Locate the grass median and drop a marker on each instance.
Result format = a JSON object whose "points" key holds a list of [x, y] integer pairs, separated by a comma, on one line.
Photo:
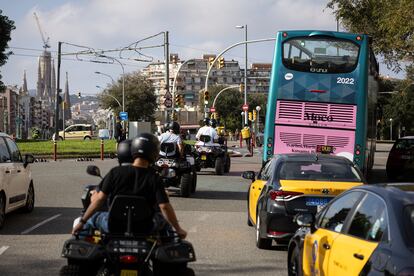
{"points": [[67, 148], [71, 148]]}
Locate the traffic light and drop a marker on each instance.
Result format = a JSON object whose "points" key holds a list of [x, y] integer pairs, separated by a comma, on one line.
{"points": [[250, 116], [254, 115], [221, 63], [174, 59], [210, 61], [241, 87], [79, 95], [177, 100], [206, 96], [182, 101]]}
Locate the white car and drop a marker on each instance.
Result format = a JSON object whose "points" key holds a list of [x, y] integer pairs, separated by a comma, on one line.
{"points": [[16, 183]]}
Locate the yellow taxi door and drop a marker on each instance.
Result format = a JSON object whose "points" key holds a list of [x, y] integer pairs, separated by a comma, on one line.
{"points": [[353, 248], [255, 190], [349, 255], [316, 251]]}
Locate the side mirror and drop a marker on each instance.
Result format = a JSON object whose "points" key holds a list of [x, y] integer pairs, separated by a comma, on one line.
{"points": [[305, 220], [28, 158], [93, 170], [249, 175]]}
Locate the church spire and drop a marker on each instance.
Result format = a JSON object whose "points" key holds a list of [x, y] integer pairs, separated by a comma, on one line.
{"points": [[68, 114]]}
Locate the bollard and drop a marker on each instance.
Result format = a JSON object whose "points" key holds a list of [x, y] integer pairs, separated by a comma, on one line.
{"points": [[102, 149], [54, 150]]}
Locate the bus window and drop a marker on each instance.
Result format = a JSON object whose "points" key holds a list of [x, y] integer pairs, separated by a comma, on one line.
{"points": [[320, 55]]}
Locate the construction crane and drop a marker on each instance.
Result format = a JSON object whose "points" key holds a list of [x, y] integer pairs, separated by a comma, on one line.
{"points": [[45, 41]]}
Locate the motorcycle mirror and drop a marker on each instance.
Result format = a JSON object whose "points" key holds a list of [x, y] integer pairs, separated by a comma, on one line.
{"points": [[93, 170]]}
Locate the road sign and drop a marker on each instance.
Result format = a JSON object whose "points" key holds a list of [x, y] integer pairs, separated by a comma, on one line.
{"points": [[245, 107], [168, 103], [167, 95], [123, 115], [212, 109]]}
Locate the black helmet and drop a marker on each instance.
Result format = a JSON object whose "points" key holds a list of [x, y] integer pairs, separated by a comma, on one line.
{"points": [[175, 127], [124, 152], [206, 121], [145, 146], [213, 123]]}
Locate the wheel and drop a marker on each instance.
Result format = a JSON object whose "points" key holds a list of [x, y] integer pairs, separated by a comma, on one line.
{"points": [[194, 186], [30, 200], [2, 210], [228, 164], [260, 242], [186, 184], [294, 263], [60, 138], [219, 165], [87, 138], [70, 270]]}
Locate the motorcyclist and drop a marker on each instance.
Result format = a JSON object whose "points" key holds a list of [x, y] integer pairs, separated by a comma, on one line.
{"points": [[172, 135], [207, 130], [121, 180]]}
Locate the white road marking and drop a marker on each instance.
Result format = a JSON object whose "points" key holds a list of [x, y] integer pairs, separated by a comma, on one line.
{"points": [[39, 224], [3, 249]]}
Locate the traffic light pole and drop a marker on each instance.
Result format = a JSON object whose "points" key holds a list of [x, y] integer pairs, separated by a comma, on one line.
{"points": [[224, 51], [58, 91]]}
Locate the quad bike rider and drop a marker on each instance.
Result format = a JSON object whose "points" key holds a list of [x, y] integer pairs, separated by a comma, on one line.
{"points": [[135, 237], [176, 163], [211, 151]]}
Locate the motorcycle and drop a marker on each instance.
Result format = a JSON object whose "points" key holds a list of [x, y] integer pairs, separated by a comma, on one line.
{"points": [[137, 244], [212, 156], [177, 172]]}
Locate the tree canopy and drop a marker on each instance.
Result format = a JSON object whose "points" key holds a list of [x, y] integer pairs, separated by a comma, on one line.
{"points": [[140, 98], [6, 26], [389, 22]]}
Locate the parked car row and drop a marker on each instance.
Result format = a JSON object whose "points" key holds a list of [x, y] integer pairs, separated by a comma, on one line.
{"points": [[332, 221]]}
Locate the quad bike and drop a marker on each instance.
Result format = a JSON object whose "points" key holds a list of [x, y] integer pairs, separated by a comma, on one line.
{"points": [[212, 156], [175, 171], [138, 243]]}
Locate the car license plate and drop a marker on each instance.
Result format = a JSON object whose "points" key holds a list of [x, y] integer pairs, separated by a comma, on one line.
{"points": [[317, 201], [203, 157], [125, 272]]}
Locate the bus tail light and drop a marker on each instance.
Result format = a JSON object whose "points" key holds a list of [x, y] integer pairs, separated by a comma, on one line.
{"points": [[359, 38], [357, 149], [285, 34]]}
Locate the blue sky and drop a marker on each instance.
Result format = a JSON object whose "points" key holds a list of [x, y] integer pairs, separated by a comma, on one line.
{"points": [[195, 27]]}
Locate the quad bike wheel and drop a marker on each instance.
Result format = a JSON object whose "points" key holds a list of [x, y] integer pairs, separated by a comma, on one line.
{"points": [[186, 184], [219, 165]]}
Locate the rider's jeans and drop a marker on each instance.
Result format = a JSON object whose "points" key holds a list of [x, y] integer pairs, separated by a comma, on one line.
{"points": [[98, 221]]}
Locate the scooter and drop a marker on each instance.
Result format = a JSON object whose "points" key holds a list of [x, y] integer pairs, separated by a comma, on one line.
{"points": [[208, 156], [138, 242]]}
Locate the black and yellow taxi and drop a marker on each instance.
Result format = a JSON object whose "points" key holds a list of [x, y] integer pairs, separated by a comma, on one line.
{"points": [[292, 183], [368, 230]]}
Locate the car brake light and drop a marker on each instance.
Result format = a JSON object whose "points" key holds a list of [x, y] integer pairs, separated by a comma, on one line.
{"points": [[285, 194], [128, 259], [276, 233]]}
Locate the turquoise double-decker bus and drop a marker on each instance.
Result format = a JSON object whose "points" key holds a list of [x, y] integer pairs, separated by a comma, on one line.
{"points": [[322, 96]]}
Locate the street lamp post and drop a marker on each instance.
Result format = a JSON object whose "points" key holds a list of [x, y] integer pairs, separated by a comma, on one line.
{"points": [[123, 78], [109, 76], [245, 69], [390, 128], [258, 108]]}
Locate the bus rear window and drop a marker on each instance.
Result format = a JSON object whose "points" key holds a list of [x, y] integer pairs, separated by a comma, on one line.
{"points": [[320, 55]]}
